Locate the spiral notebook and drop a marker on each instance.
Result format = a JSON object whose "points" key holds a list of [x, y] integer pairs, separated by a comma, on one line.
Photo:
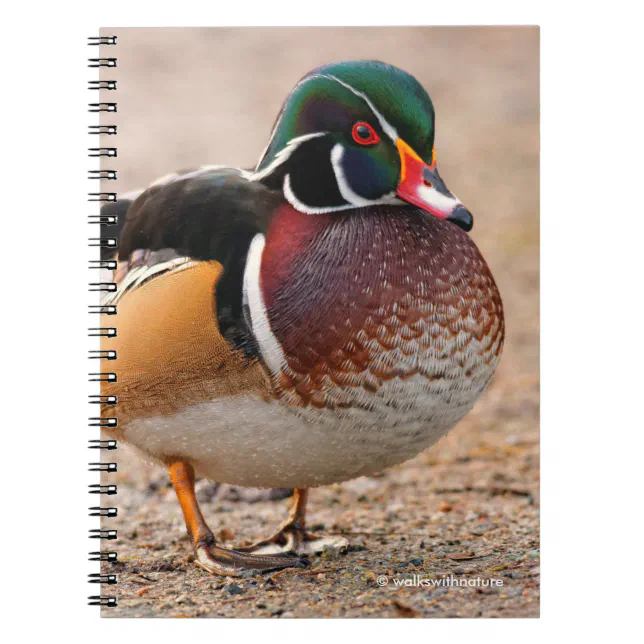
{"points": [[295, 309]]}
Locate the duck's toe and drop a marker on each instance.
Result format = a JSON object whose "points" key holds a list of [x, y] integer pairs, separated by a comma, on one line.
{"points": [[232, 563], [291, 539]]}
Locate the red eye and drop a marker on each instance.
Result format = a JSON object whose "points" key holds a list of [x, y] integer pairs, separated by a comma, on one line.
{"points": [[364, 134]]}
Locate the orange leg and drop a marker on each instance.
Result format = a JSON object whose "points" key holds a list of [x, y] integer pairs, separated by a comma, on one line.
{"points": [[208, 555]]}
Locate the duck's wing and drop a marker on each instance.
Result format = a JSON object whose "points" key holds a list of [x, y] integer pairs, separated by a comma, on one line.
{"points": [[182, 338], [204, 215]]}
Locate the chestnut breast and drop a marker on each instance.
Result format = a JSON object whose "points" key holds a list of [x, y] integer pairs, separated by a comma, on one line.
{"points": [[381, 294]]}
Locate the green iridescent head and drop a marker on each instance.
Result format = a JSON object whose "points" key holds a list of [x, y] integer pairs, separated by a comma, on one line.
{"points": [[354, 134]]}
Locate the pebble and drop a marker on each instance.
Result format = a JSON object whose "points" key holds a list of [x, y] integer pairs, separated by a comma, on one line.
{"points": [[362, 485], [234, 589], [482, 528], [225, 535]]}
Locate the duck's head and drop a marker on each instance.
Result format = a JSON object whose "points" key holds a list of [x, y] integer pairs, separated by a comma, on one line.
{"points": [[357, 134]]}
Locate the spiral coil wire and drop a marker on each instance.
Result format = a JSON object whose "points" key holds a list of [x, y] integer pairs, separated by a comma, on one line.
{"points": [[104, 578]]}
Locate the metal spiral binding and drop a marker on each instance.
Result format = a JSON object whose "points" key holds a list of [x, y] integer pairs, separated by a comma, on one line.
{"points": [[101, 62], [101, 40], [99, 600], [99, 84], [102, 152], [102, 129], [107, 244], [102, 107]]}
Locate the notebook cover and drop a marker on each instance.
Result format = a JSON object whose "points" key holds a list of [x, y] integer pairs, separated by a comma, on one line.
{"points": [[294, 309]]}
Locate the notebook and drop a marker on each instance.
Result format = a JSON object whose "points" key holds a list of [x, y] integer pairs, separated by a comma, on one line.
{"points": [[315, 315]]}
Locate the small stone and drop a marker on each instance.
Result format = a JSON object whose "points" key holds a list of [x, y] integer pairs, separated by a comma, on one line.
{"points": [[225, 535], [416, 561], [234, 589], [246, 574], [482, 528], [445, 507], [361, 485], [329, 554]]}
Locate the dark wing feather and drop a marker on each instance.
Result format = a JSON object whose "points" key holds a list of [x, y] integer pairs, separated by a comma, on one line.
{"points": [[201, 214], [209, 214]]}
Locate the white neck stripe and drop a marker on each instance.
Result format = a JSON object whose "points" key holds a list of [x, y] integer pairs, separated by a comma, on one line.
{"points": [[253, 298]]}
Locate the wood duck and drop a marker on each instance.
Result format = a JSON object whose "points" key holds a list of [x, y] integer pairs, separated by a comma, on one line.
{"points": [[320, 317]]}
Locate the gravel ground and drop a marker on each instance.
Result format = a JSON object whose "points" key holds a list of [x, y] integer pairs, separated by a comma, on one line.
{"points": [[469, 507]]}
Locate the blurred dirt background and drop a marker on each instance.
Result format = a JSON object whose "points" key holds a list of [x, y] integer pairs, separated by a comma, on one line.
{"points": [[467, 508]]}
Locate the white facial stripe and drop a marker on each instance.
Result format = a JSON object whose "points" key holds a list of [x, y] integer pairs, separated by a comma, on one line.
{"points": [[279, 120], [269, 345], [440, 202], [354, 200], [343, 185], [388, 129], [283, 155], [302, 207], [348, 194]]}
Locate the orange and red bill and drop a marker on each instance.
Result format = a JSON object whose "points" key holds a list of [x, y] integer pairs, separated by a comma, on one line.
{"points": [[421, 185]]}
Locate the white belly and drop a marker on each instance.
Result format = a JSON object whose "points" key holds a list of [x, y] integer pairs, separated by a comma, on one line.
{"points": [[251, 442]]}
